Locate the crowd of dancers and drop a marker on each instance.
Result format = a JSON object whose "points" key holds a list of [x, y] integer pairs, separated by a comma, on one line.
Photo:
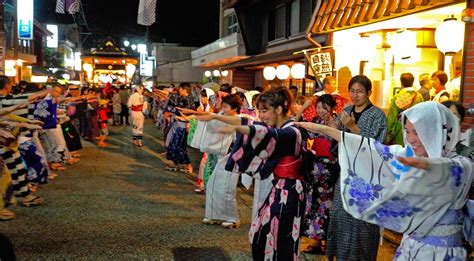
{"points": [[41, 128], [328, 170], [325, 170]]}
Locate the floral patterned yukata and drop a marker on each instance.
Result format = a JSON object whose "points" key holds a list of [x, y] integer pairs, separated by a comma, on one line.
{"points": [[275, 233], [428, 206], [320, 186]]}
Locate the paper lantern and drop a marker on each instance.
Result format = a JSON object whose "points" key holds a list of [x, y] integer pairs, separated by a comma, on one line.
{"points": [[130, 70], [449, 36], [369, 46], [269, 73], [298, 71], [225, 73], [207, 73], [404, 45], [283, 72], [216, 73]]}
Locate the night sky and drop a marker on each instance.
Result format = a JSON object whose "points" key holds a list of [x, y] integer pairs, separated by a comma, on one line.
{"points": [[190, 22]]}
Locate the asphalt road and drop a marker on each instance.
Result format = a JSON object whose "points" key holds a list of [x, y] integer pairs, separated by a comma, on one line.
{"points": [[120, 203]]}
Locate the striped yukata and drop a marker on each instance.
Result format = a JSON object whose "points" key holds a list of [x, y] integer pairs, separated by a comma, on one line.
{"points": [[12, 157], [349, 238]]}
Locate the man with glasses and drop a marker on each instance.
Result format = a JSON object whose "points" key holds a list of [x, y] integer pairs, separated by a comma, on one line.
{"points": [[349, 238]]}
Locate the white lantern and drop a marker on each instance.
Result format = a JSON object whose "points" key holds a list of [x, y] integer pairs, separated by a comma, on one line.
{"points": [[207, 73], [269, 73], [283, 72], [130, 69], [88, 68], [404, 45], [216, 73], [298, 71], [134, 47], [225, 73], [449, 36], [126, 43], [368, 44]]}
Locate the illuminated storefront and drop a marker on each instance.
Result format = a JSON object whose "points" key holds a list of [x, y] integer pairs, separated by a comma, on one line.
{"points": [[384, 39]]}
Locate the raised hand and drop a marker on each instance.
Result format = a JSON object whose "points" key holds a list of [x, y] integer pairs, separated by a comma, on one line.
{"points": [[37, 122], [307, 103], [419, 163], [32, 126], [348, 120]]}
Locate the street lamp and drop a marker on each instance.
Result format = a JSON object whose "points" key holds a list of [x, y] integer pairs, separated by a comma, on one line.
{"points": [[126, 43]]}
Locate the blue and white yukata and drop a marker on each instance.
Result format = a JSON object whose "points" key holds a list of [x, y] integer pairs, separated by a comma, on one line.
{"points": [[428, 206]]}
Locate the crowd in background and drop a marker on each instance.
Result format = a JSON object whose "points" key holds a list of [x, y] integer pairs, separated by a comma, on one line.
{"points": [[299, 182], [326, 171]]}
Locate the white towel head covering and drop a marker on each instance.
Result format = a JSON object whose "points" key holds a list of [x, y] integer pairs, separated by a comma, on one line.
{"points": [[436, 126]]}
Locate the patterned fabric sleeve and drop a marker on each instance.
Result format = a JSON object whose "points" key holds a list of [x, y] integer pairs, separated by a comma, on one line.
{"points": [[263, 148], [377, 188]]}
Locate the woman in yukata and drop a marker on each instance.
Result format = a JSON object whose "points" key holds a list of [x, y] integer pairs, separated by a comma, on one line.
{"points": [[272, 147], [221, 204], [320, 184], [136, 103], [419, 190], [204, 106]]}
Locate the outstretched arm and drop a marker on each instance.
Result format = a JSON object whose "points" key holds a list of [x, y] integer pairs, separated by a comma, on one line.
{"points": [[10, 109], [419, 163], [191, 112], [235, 128], [321, 129], [37, 95], [232, 120]]}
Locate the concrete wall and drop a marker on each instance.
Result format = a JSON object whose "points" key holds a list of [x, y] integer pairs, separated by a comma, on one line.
{"points": [[174, 64], [176, 72], [172, 52]]}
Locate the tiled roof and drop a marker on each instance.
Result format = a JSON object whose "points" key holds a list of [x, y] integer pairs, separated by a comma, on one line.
{"points": [[334, 15]]}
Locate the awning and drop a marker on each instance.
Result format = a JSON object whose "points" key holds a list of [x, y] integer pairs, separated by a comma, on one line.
{"points": [[334, 15], [266, 58]]}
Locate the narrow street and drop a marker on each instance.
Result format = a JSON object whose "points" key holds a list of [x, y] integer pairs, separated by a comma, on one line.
{"points": [[121, 203]]}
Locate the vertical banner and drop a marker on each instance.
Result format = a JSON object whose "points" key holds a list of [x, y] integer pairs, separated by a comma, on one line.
{"points": [[25, 19], [146, 12]]}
